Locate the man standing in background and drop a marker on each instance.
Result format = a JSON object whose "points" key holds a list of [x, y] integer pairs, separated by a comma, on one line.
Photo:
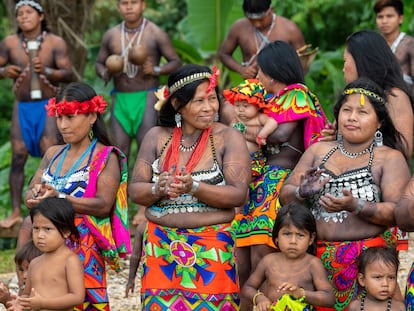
{"points": [[390, 16], [251, 33], [33, 53]]}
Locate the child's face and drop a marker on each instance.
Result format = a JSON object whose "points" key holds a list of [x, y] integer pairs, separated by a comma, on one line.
{"points": [[21, 271], [379, 280], [46, 236], [294, 242], [245, 111]]}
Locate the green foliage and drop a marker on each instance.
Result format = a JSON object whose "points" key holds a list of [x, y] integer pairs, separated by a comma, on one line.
{"points": [[7, 256]]}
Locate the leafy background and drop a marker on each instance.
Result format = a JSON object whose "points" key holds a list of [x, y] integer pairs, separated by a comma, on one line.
{"points": [[197, 28]]}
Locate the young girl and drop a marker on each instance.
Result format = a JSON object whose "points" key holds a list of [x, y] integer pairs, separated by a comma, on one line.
{"points": [[55, 279], [378, 268], [295, 278]]}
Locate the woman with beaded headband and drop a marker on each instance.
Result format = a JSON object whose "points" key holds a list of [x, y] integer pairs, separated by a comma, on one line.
{"points": [[92, 175], [191, 172], [32, 131], [352, 185], [367, 54]]}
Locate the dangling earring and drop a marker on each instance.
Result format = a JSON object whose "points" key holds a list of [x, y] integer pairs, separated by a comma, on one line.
{"points": [[378, 138], [216, 117], [177, 118], [91, 133], [339, 136], [271, 81]]}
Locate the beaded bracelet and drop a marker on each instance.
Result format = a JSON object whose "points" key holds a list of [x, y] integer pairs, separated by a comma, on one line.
{"points": [[255, 297]]}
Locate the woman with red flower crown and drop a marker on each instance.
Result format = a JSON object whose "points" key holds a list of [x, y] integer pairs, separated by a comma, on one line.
{"points": [[191, 172], [92, 175]]}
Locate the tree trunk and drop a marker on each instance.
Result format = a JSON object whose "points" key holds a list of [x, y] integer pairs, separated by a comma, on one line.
{"points": [[69, 19]]}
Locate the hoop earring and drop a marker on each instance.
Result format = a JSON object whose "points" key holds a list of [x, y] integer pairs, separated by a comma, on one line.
{"points": [[177, 118], [378, 138]]}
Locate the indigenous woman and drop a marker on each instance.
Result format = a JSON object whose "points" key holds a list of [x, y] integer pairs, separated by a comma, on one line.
{"points": [[191, 172], [92, 175], [300, 119], [352, 185]]}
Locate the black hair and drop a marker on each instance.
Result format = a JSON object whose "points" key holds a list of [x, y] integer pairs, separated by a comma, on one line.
{"points": [[184, 94], [43, 24], [28, 251], [398, 5], [81, 91], [256, 6], [391, 137], [298, 215], [387, 255], [374, 59], [60, 212], [280, 61]]}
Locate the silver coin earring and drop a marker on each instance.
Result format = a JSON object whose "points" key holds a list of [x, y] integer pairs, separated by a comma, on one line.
{"points": [[339, 136], [177, 118], [378, 138]]}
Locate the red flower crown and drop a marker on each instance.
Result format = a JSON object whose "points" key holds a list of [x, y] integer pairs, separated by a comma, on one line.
{"points": [[64, 107]]}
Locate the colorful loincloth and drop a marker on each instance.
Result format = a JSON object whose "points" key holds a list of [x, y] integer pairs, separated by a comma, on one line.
{"points": [[340, 261], [129, 109], [32, 119], [189, 269], [288, 303], [409, 290], [255, 225]]}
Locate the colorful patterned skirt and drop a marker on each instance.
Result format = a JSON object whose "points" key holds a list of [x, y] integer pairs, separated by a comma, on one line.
{"points": [[340, 260], [96, 296], [189, 269], [409, 291], [287, 303], [255, 225]]}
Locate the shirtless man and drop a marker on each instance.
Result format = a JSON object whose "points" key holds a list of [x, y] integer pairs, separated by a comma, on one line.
{"points": [[32, 131], [133, 112], [390, 16], [260, 26]]}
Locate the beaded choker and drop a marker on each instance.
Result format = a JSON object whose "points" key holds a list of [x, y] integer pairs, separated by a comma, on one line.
{"points": [[354, 155], [189, 148], [363, 301]]}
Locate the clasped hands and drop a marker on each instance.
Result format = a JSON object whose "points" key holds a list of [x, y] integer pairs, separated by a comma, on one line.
{"points": [[311, 183], [173, 185]]}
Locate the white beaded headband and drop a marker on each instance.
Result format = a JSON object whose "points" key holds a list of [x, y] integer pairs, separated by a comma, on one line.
{"points": [[187, 80], [33, 4]]}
